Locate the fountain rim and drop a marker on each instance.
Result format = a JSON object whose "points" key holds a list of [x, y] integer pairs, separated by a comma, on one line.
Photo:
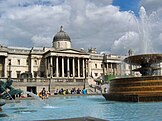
{"points": [[141, 78], [129, 59]]}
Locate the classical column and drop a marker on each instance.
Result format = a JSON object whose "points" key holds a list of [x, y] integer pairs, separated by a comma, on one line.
{"points": [[62, 67], [88, 67], [104, 68], [84, 67], [78, 67], [50, 70], [31, 65], [73, 68], [107, 67], [117, 73], [68, 71], [56, 66], [112, 69], [5, 67], [46, 72], [118, 69]]}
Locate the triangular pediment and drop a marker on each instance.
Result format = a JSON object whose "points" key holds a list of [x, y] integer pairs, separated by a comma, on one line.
{"points": [[70, 51]]}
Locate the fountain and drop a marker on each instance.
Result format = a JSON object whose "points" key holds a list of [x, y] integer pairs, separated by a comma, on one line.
{"points": [[148, 87], [138, 89], [7, 91]]}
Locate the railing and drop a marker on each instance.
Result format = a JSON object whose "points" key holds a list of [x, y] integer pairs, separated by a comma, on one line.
{"points": [[45, 80]]}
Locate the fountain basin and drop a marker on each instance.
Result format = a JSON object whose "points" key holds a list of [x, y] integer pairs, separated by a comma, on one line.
{"points": [[136, 89]]}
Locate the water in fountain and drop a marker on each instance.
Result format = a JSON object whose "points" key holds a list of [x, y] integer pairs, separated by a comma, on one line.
{"points": [[145, 31], [32, 94], [39, 100], [39, 103]]}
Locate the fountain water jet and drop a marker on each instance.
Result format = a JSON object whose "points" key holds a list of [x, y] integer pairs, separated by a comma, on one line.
{"points": [[147, 88], [144, 32]]}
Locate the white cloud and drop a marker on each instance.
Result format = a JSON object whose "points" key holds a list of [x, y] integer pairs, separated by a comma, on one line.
{"points": [[40, 40], [129, 40], [89, 23], [151, 5]]}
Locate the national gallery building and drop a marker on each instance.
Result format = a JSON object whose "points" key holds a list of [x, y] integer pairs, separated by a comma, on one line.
{"points": [[58, 63]]}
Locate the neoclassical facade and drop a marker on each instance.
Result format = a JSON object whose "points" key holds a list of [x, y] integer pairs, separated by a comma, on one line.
{"points": [[60, 62]]}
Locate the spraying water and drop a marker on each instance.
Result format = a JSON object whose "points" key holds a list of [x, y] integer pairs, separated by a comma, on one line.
{"points": [[32, 94], [145, 32]]}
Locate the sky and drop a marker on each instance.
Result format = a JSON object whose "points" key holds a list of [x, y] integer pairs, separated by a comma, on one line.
{"points": [[110, 26]]}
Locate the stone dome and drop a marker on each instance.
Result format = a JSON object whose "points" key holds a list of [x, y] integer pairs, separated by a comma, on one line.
{"points": [[61, 36]]}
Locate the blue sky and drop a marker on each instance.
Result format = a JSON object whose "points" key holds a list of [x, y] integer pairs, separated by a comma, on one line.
{"points": [[107, 25], [126, 5]]}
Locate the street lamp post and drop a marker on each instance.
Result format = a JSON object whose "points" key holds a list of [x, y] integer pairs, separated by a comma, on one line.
{"points": [[49, 85], [68, 75], [9, 65], [85, 72], [130, 52]]}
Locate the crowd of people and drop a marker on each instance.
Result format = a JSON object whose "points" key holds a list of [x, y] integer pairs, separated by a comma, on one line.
{"points": [[72, 91], [44, 94]]}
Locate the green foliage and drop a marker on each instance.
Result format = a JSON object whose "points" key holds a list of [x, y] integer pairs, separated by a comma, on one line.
{"points": [[109, 77]]}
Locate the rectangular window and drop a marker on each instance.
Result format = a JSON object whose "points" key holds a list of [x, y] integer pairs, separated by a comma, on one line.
{"points": [[18, 74], [95, 65], [96, 74], [9, 61], [35, 61], [9, 74], [18, 62], [27, 62], [35, 74], [41, 74]]}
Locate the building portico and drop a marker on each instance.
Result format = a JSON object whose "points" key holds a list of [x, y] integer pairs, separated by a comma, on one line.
{"points": [[67, 64]]}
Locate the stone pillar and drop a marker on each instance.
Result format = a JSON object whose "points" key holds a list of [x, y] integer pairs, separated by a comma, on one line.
{"points": [[6, 68], [111, 68], [84, 67], [46, 72], [31, 65], [56, 66], [50, 70], [62, 66], [73, 68], [78, 67], [118, 69], [88, 67], [68, 71], [107, 68]]}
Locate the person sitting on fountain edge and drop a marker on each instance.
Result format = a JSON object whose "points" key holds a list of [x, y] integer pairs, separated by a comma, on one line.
{"points": [[44, 94]]}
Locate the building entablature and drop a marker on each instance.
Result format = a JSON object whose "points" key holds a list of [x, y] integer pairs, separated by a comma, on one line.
{"points": [[66, 53], [112, 61], [96, 56], [3, 53]]}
